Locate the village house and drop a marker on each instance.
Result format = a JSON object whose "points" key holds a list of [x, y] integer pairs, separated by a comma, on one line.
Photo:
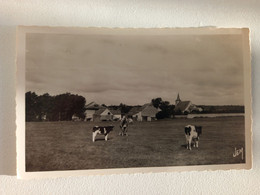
{"points": [[91, 108], [107, 114], [185, 107], [147, 112], [116, 114], [103, 114], [75, 118]]}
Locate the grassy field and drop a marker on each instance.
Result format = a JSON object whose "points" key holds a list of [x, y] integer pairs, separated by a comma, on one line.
{"points": [[68, 145]]}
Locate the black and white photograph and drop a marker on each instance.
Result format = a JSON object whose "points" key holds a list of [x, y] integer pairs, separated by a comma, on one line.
{"points": [[125, 99]]}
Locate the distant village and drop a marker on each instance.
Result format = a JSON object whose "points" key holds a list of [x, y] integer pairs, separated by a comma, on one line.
{"points": [[67, 107], [147, 112]]}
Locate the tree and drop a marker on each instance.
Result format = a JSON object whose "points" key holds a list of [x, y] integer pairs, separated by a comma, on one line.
{"points": [[45, 104], [167, 110], [54, 108], [157, 102], [78, 106], [66, 105], [31, 106], [124, 108]]}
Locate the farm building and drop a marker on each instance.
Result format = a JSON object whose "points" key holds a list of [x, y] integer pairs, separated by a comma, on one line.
{"points": [[91, 108], [103, 114], [116, 114], [185, 106], [75, 118], [147, 112], [107, 114]]}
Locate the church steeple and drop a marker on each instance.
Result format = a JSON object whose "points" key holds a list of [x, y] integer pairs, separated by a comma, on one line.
{"points": [[178, 100]]}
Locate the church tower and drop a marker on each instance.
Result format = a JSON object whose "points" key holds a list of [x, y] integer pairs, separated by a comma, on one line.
{"points": [[178, 100]]}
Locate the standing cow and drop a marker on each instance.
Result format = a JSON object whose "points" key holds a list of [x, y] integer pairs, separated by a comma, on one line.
{"points": [[101, 130], [123, 126], [192, 133]]}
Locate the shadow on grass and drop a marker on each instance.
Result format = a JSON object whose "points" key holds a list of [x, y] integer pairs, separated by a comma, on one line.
{"points": [[184, 146], [102, 139]]}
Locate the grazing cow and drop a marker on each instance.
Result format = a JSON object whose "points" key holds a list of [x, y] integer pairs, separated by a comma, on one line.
{"points": [[123, 126], [192, 133], [101, 130]]}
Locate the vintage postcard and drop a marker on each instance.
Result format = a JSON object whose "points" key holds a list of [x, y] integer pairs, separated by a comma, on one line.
{"points": [[105, 101]]}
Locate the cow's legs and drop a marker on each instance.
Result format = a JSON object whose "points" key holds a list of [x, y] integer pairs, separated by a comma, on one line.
{"points": [[126, 131], [187, 142], [197, 143], [121, 133], [106, 136], [190, 139], [94, 136]]}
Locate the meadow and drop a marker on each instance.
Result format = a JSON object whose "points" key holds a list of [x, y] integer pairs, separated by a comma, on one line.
{"points": [[68, 145]]}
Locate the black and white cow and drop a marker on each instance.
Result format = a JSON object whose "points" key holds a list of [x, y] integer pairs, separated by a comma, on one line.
{"points": [[192, 133], [123, 126], [101, 130]]}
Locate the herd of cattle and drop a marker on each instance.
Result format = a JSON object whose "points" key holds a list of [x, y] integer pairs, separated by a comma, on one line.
{"points": [[192, 132]]}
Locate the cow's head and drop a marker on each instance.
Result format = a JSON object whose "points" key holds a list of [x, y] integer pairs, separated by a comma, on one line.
{"points": [[198, 130], [95, 128], [187, 130], [109, 128]]}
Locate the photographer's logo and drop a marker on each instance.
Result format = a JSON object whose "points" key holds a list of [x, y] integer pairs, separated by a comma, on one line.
{"points": [[238, 152]]}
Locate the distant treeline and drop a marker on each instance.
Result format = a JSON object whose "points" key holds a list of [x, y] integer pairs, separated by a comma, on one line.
{"points": [[122, 107], [53, 108], [222, 109]]}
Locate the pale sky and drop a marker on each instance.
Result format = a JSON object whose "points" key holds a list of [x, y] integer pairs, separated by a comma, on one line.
{"points": [[133, 69]]}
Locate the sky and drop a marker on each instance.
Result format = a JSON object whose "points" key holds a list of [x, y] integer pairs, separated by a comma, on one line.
{"points": [[133, 69]]}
